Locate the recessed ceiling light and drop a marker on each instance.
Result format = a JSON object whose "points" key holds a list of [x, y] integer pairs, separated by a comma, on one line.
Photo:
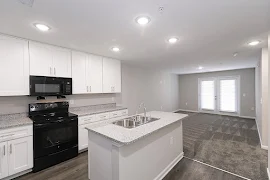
{"points": [[200, 67], [143, 20], [173, 40], [254, 43], [115, 49], [42, 27]]}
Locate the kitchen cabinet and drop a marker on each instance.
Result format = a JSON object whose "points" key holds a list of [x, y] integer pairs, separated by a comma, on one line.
{"points": [[14, 69], [16, 150], [94, 74], [3, 160], [111, 76], [86, 73], [47, 60], [95, 120], [20, 154]]}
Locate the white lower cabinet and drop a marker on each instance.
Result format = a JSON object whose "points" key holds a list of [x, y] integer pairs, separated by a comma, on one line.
{"points": [[85, 121], [83, 137], [3, 160], [16, 153], [20, 154]]}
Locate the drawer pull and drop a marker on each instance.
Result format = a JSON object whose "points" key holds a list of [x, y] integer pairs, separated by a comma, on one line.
{"points": [[10, 149], [4, 150]]}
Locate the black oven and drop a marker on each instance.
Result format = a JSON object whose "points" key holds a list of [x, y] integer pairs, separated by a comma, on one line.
{"points": [[55, 136], [50, 86]]}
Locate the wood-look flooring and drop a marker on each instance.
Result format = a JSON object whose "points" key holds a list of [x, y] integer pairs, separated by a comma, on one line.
{"points": [[77, 169]]}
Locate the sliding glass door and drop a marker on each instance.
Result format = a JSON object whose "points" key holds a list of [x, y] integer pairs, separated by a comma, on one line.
{"points": [[219, 95]]}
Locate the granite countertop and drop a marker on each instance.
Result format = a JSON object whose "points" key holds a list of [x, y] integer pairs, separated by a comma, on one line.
{"points": [[14, 120], [84, 111], [127, 136]]}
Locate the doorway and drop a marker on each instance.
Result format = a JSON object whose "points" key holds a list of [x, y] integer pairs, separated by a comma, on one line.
{"points": [[219, 95]]}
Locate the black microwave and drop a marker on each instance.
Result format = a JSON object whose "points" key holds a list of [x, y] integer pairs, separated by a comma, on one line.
{"points": [[50, 86]]}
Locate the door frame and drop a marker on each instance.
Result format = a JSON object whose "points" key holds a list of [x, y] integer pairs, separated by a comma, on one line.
{"points": [[217, 88]]}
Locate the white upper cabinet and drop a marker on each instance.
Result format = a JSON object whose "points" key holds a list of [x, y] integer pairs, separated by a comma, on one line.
{"points": [[61, 62], [94, 74], [111, 76], [46, 60], [79, 82], [86, 73], [14, 68]]}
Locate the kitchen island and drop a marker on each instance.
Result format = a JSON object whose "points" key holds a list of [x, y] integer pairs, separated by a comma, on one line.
{"points": [[146, 152]]}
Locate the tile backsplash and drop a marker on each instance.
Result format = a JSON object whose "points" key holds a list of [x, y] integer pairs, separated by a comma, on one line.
{"points": [[19, 104]]}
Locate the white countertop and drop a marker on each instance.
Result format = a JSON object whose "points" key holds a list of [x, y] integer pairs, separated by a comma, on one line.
{"points": [[127, 136]]}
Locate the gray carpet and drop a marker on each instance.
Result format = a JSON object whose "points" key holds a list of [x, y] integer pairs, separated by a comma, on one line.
{"points": [[229, 143]]}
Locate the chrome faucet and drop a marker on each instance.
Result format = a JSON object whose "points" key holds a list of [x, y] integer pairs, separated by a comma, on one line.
{"points": [[142, 104]]}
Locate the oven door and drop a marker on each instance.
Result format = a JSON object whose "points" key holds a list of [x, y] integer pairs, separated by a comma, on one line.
{"points": [[55, 137], [49, 86]]}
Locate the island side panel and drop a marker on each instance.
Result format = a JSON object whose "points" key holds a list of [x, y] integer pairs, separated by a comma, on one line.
{"points": [[100, 165], [153, 156]]}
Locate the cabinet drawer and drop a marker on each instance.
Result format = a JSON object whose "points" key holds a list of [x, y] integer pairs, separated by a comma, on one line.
{"points": [[115, 114], [87, 119], [16, 132], [102, 116], [123, 112]]}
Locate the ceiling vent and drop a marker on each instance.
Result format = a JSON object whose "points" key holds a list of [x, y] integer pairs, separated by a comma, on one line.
{"points": [[27, 2]]}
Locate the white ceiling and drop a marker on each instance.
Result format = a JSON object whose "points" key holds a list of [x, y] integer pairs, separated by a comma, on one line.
{"points": [[210, 31]]}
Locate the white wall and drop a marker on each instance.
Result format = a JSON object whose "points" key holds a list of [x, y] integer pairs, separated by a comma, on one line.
{"points": [[158, 90], [263, 130], [189, 89], [269, 101]]}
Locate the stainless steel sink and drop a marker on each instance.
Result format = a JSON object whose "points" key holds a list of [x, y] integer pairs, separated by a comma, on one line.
{"points": [[134, 121]]}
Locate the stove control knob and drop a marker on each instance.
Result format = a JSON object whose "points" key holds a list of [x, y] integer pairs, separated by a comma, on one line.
{"points": [[46, 106], [32, 107]]}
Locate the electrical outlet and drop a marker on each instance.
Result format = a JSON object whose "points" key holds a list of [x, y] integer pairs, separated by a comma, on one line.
{"points": [[161, 107], [186, 103], [71, 101], [244, 95], [171, 140], [252, 108]]}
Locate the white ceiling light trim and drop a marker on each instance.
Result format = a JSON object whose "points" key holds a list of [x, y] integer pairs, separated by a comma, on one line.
{"points": [[172, 40], [143, 20], [42, 27], [200, 68], [254, 43], [115, 49]]}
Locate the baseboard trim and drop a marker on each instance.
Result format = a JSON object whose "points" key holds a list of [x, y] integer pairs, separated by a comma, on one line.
{"points": [[264, 147], [247, 117], [218, 168], [268, 173], [169, 167], [186, 110]]}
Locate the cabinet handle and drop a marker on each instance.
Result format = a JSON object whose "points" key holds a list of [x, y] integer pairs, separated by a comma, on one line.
{"points": [[50, 70], [7, 135], [4, 150], [90, 88], [10, 149], [54, 71], [87, 88]]}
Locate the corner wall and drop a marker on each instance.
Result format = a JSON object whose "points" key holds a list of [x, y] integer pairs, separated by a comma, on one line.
{"points": [[158, 90]]}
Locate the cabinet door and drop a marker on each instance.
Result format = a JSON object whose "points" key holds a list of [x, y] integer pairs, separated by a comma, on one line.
{"points": [[20, 154], [61, 62], [79, 82], [111, 75], [94, 74], [3, 160], [14, 69], [40, 59], [83, 137]]}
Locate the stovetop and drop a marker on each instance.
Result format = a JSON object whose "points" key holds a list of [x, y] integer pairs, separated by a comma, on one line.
{"points": [[52, 117]]}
